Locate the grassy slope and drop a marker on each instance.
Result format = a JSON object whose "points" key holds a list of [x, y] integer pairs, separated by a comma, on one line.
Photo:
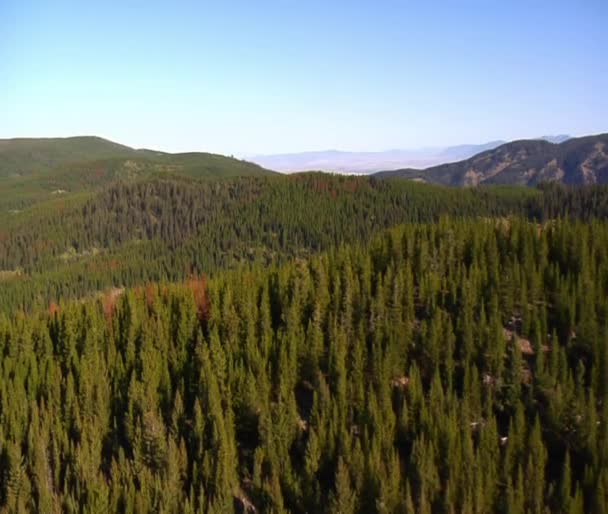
{"points": [[23, 157], [39, 170]]}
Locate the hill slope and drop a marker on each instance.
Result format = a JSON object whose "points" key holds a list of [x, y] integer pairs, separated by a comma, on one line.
{"points": [[27, 156], [166, 228], [453, 354], [34, 170], [576, 161]]}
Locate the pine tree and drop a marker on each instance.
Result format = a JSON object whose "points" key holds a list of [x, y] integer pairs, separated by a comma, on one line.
{"points": [[343, 499]]}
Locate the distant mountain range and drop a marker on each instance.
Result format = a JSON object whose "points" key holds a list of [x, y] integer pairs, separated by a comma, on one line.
{"points": [[369, 162], [581, 160]]}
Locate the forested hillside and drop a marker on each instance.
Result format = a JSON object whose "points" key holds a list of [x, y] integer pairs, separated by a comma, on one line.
{"points": [[457, 366], [131, 233], [170, 228], [172, 342]]}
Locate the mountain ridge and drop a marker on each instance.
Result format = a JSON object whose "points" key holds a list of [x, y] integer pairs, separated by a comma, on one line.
{"points": [[582, 160]]}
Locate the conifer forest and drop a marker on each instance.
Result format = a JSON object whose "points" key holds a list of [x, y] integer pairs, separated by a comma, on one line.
{"points": [[306, 344]]}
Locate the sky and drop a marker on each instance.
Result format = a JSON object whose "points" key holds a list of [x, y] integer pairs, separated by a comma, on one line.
{"points": [[263, 76]]}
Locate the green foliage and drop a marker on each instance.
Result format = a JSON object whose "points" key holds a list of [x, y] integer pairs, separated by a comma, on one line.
{"points": [[166, 229], [38, 170], [452, 366]]}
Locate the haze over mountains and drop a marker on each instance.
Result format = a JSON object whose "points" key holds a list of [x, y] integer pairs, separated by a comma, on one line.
{"points": [[369, 162]]}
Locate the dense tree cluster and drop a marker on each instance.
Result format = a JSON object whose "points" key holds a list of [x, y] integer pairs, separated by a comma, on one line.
{"points": [[165, 229], [582, 203], [311, 210], [456, 366], [168, 229]]}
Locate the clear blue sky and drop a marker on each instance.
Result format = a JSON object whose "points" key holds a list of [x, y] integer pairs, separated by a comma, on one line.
{"points": [[263, 76]]}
